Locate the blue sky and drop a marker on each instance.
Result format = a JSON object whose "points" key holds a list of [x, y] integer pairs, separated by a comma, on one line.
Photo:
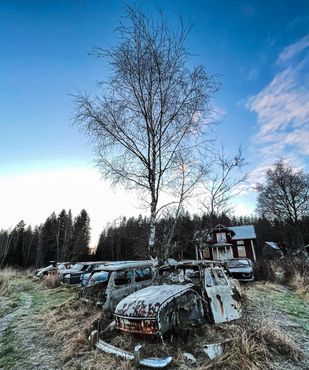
{"points": [[259, 49]]}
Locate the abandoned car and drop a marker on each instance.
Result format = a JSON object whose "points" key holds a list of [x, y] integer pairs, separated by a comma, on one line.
{"points": [[110, 283], [241, 269], [183, 294], [53, 268], [73, 275]]}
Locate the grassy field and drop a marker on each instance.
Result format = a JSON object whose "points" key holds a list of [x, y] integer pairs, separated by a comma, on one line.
{"points": [[50, 330]]}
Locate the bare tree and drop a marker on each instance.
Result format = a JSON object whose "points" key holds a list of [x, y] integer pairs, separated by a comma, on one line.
{"points": [[184, 185], [285, 196], [222, 183], [151, 109], [5, 242]]}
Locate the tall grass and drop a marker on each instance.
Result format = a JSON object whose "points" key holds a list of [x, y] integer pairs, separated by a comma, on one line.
{"points": [[296, 274], [6, 275], [254, 347], [52, 280]]}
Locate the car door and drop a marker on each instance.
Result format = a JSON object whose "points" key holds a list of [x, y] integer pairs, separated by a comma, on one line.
{"points": [[222, 305], [120, 287]]}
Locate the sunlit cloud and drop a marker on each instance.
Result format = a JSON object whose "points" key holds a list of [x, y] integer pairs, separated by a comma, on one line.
{"points": [[282, 109]]}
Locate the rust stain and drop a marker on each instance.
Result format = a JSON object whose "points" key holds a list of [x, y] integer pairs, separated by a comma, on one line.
{"points": [[138, 326], [221, 303]]}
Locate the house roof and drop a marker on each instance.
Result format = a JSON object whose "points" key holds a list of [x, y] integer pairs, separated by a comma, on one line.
{"points": [[243, 232], [273, 245]]}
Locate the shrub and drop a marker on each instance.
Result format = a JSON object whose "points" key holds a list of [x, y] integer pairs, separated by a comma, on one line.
{"points": [[296, 274], [52, 280], [264, 270]]}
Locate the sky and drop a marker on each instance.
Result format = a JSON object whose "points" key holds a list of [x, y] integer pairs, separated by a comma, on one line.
{"points": [[258, 49]]}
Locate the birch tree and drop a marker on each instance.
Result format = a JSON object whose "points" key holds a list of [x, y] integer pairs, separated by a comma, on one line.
{"points": [[150, 109], [222, 183]]}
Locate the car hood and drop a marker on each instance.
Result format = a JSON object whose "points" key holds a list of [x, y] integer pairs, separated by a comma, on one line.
{"points": [[147, 302], [240, 269]]}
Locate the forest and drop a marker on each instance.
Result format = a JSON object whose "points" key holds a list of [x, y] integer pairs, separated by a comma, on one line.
{"points": [[64, 238]]}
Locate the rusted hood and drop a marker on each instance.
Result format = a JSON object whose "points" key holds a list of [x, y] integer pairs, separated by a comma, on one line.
{"points": [[146, 302]]}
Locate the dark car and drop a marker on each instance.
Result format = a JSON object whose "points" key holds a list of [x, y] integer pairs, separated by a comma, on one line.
{"points": [[241, 269], [73, 275]]}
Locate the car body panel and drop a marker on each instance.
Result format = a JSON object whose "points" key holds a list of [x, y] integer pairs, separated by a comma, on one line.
{"points": [[115, 281], [185, 294]]}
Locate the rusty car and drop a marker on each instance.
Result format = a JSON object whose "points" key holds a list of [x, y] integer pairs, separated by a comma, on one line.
{"points": [[54, 268], [182, 294], [109, 283]]}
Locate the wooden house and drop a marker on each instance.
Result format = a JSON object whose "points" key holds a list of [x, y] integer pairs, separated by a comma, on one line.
{"points": [[231, 242]]}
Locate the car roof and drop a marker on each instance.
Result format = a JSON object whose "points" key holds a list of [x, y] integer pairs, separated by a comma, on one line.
{"points": [[122, 265]]}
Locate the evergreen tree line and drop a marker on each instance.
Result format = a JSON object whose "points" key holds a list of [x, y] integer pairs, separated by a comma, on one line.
{"points": [[64, 238], [60, 238], [127, 239]]}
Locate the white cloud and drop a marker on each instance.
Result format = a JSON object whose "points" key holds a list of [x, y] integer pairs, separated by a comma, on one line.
{"points": [[292, 50], [282, 109], [33, 196]]}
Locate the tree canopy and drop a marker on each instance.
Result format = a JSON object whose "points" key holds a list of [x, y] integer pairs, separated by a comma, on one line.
{"points": [[150, 114]]}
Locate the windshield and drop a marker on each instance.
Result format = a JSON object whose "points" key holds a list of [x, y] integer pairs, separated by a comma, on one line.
{"points": [[78, 266], [235, 263], [99, 277]]}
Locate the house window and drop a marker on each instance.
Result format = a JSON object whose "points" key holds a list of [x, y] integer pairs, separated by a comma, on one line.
{"points": [[241, 251], [240, 242], [221, 237]]}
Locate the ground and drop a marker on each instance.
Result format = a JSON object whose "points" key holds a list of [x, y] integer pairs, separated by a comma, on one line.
{"points": [[42, 328]]}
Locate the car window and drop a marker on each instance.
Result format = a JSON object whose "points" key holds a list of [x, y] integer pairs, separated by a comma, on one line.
{"points": [[123, 277], [221, 279], [78, 266], [143, 274], [209, 278]]}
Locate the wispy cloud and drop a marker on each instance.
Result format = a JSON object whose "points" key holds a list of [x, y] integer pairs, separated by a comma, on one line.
{"points": [[282, 109], [292, 50]]}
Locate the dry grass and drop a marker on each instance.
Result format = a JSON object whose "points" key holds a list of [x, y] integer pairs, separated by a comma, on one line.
{"points": [[300, 283], [51, 280], [278, 341], [254, 347], [6, 275], [70, 324], [245, 353]]}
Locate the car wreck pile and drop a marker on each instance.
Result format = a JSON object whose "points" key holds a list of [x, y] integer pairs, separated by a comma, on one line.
{"points": [[156, 302]]}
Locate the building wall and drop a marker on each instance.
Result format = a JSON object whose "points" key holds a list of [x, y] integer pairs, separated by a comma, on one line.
{"points": [[238, 246]]}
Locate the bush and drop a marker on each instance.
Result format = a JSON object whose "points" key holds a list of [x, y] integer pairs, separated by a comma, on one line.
{"points": [[296, 274], [264, 270], [52, 280]]}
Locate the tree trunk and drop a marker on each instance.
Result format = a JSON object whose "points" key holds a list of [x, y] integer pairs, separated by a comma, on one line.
{"points": [[152, 234]]}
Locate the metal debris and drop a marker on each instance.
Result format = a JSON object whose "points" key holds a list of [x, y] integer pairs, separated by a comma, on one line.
{"points": [[189, 357], [136, 357], [213, 350]]}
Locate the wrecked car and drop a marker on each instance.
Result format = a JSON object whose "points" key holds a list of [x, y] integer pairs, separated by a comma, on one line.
{"points": [[241, 269], [182, 295], [53, 268], [110, 283], [73, 275]]}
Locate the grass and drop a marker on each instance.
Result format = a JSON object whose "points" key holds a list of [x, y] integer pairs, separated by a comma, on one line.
{"points": [[6, 275], [56, 327]]}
